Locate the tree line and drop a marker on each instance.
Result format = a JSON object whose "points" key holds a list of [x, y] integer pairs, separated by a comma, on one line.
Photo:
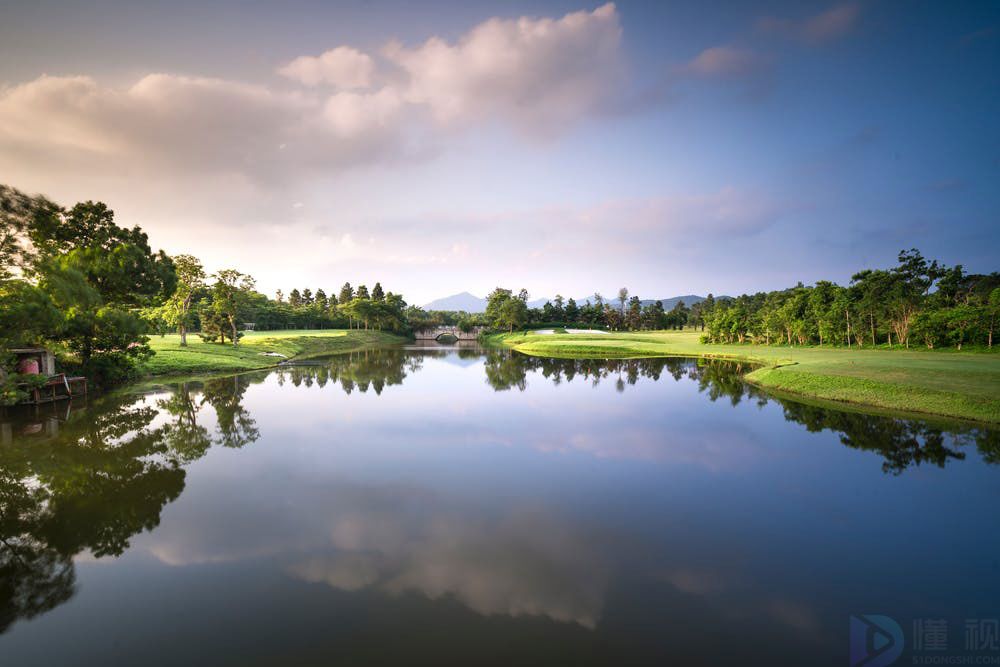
{"points": [[508, 311], [193, 307], [918, 302]]}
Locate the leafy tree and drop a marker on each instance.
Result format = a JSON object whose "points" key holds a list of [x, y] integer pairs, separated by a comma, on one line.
{"points": [[106, 339], [377, 293], [678, 316], [346, 293], [653, 316], [307, 297], [177, 310], [295, 298], [871, 288], [572, 311], [622, 298], [362, 292], [118, 262], [27, 314], [230, 297], [992, 309], [911, 280], [633, 319], [20, 214], [504, 310]]}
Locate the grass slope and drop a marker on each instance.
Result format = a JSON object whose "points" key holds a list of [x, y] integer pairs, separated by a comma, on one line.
{"points": [[954, 384], [199, 357]]}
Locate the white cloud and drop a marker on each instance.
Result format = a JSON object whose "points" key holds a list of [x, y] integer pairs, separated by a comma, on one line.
{"points": [[536, 73], [342, 67], [350, 114]]}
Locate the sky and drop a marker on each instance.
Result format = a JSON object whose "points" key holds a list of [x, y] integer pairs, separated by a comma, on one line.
{"points": [[438, 147]]}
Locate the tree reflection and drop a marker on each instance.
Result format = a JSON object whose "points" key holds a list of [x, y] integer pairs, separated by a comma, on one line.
{"points": [[356, 371], [93, 479], [235, 427], [902, 443]]}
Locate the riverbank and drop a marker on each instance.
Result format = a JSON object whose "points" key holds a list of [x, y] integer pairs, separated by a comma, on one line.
{"points": [[257, 349], [965, 385]]}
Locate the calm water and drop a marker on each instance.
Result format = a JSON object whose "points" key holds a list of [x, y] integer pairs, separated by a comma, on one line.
{"points": [[455, 506]]}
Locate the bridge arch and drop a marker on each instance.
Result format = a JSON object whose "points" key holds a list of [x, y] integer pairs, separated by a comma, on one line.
{"points": [[436, 333]]}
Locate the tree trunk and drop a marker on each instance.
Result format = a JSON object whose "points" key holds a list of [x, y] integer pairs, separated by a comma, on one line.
{"points": [[184, 333], [232, 325], [871, 319]]}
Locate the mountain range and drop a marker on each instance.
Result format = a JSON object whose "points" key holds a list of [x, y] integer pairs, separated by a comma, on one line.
{"points": [[471, 303]]}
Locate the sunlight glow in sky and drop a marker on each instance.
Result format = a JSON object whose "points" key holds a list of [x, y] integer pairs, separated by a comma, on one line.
{"points": [[437, 147]]}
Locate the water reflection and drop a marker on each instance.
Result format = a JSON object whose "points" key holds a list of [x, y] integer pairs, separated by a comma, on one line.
{"points": [[355, 371], [89, 481], [903, 443]]}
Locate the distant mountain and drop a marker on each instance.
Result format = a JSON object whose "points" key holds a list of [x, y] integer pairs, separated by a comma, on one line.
{"points": [[470, 303]]}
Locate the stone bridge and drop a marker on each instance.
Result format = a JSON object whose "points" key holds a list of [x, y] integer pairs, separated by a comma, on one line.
{"points": [[438, 332]]}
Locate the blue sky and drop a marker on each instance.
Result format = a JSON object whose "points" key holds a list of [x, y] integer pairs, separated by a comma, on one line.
{"points": [[670, 147]]}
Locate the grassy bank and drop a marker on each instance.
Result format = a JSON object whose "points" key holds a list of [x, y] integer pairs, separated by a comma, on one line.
{"points": [[953, 384], [257, 349]]}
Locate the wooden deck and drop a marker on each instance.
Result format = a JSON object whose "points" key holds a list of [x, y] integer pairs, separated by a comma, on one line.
{"points": [[57, 388]]}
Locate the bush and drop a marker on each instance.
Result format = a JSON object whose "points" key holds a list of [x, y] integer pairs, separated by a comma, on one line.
{"points": [[17, 388]]}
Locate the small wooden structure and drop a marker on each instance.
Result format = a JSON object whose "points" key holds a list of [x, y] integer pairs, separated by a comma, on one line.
{"points": [[58, 386]]}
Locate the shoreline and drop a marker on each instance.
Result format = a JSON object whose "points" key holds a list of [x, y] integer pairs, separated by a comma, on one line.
{"points": [[256, 351], [911, 382]]}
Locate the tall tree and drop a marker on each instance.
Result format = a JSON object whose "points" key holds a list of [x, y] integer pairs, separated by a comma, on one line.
{"points": [[230, 296], [190, 278], [572, 311]]}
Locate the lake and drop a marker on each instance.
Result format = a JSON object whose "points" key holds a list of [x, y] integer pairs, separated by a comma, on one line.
{"points": [[456, 505]]}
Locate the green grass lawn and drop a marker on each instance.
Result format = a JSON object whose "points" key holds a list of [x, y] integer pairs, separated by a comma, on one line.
{"points": [[955, 384], [198, 356]]}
